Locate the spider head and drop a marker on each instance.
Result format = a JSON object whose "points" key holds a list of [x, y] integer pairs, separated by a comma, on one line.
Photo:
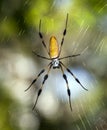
{"points": [[55, 63]]}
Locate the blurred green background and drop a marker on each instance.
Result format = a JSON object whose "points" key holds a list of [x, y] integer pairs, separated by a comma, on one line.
{"points": [[86, 34]]}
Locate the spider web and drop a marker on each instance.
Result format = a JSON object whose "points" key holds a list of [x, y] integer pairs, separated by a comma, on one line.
{"points": [[19, 36]]}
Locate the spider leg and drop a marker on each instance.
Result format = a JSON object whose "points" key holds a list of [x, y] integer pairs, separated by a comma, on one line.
{"points": [[41, 56], [41, 37], [40, 90], [77, 80], [69, 56], [68, 90], [41, 72], [64, 33]]}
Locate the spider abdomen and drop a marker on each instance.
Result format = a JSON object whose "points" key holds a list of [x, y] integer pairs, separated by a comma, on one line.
{"points": [[53, 47]]}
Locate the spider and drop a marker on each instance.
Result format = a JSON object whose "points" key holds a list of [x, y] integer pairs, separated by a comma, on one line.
{"points": [[54, 52]]}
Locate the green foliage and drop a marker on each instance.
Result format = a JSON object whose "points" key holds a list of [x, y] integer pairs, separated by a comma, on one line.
{"points": [[7, 122], [87, 28]]}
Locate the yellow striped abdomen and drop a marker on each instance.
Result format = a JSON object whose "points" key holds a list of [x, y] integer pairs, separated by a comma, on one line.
{"points": [[53, 48]]}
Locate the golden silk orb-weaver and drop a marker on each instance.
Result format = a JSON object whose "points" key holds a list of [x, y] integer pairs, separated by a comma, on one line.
{"points": [[54, 52]]}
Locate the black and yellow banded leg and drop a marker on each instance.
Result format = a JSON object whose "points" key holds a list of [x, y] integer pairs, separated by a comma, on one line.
{"points": [[68, 90], [41, 37], [41, 72], [40, 90], [64, 33], [76, 79]]}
